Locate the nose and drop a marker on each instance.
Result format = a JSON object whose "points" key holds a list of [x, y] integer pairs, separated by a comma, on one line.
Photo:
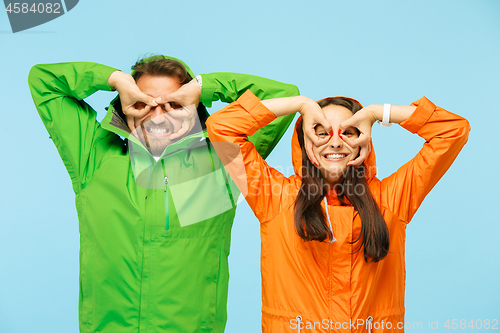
{"points": [[336, 141], [157, 113]]}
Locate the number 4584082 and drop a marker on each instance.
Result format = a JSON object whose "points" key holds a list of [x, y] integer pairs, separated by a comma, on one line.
{"points": [[41, 7], [477, 324]]}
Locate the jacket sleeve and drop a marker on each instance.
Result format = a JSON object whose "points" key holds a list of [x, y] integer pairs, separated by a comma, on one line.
{"points": [[227, 87], [228, 130], [58, 91], [445, 134]]}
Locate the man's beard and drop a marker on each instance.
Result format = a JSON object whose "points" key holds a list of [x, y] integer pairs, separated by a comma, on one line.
{"points": [[154, 134]]}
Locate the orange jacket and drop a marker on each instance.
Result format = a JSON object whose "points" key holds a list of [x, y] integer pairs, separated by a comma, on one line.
{"points": [[322, 286]]}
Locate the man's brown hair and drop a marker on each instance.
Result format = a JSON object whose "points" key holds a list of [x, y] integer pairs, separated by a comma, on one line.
{"points": [[160, 66]]}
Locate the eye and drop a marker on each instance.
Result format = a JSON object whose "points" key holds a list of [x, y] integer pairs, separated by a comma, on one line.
{"points": [[175, 105], [349, 132], [320, 131], [139, 105]]}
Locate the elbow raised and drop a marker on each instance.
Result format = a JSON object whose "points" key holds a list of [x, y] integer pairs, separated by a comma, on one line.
{"points": [[209, 123], [34, 73], [462, 130]]}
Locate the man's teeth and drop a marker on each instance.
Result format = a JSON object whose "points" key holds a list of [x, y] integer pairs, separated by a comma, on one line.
{"points": [[335, 156], [157, 130]]}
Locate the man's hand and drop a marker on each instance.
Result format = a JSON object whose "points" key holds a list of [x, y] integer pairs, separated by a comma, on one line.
{"points": [[135, 103], [183, 106]]}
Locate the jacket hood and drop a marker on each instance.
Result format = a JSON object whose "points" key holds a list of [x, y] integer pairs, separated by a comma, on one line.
{"points": [[370, 162], [113, 122]]}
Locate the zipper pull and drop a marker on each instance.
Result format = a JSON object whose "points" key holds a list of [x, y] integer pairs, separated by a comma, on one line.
{"points": [[167, 210]]}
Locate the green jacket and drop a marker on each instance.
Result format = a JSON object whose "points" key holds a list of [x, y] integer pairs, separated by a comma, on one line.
{"points": [[155, 236]]}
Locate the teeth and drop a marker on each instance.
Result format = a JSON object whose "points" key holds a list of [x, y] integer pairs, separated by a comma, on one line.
{"points": [[335, 156], [157, 130]]}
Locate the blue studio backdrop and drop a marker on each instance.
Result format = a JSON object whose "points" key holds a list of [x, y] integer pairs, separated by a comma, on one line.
{"points": [[377, 51]]}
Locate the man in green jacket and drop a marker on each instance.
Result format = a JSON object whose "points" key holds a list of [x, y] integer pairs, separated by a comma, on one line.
{"points": [[155, 223]]}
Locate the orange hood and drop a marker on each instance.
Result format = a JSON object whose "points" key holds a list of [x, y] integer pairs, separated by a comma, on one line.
{"points": [[370, 162]]}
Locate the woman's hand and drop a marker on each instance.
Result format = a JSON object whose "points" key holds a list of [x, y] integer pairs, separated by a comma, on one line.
{"points": [[184, 103], [312, 116], [135, 103], [363, 121]]}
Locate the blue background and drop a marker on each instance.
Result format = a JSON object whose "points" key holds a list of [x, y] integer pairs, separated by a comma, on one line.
{"points": [[377, 51]]}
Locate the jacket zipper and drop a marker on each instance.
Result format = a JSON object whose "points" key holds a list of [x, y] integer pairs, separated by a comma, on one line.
{"points": [[167, 215]]}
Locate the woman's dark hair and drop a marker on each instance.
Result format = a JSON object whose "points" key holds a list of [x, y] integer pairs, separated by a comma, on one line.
{"points": [[159, 66], [310, 220]]}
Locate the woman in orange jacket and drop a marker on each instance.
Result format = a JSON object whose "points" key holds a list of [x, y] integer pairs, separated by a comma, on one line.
{"points": [[333, 234]]}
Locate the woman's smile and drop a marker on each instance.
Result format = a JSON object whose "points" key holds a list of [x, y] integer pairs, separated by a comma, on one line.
{"points": [[334, 157]]}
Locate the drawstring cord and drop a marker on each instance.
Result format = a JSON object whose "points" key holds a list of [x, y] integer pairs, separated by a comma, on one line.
{"points": [[333, 239], [299, 321], [369, 321]]}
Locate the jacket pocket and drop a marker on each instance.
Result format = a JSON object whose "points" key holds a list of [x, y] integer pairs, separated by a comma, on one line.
{"points": [[184, 284]]}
